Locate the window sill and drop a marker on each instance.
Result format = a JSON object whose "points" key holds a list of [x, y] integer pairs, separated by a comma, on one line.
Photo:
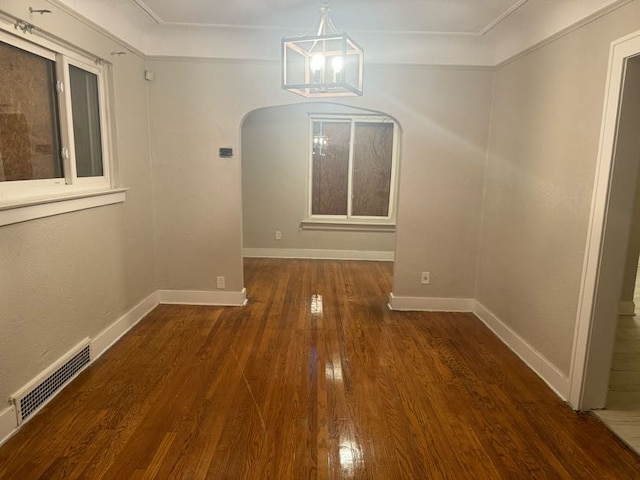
{"points": [[32, 208], [347, 226]]}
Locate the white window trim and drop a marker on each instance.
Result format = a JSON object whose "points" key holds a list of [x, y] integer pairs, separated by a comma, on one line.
{"points": [[346, 226], [46, 207], [21, 201], [105, 179], [346, 222]]}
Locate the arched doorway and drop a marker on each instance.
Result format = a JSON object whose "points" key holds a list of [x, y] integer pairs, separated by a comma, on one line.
{"points": [[277, 187]]}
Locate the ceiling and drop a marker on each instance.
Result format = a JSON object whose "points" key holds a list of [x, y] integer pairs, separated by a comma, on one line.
{"points": [[481, 33], [425, 16]]}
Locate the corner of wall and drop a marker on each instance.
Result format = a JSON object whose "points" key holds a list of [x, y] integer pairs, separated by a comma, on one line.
{"points": [[8, 423], [430, 304], [198, 297], [552, 376], [547, 371], [99, 344], [110, 335]]}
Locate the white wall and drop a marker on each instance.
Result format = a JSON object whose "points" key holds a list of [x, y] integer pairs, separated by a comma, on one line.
{"points": [[542, 155], [445, 115], [68, 277], [198, 106], [615, 243], [275, 184]]}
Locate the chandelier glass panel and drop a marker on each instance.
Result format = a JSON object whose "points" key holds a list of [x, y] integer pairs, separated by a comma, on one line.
{"points": [[326, 63]]}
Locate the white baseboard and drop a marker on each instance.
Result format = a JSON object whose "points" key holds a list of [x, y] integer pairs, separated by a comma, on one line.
{"points": [[627, 308], [310, 253], [557, 380], [110, 335], [99, 344], [426, 304], [208, 297], [8, 423]]}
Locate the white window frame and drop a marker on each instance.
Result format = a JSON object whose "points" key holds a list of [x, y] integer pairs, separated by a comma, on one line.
{"points": [[348, 221], [24, 200]]}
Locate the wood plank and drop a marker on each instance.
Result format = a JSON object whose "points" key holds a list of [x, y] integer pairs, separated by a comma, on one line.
{"points": [[315, 378]]}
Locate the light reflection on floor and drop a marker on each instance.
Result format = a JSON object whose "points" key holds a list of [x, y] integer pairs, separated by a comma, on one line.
{"points": [[350, 456], [333, 370], [316, 304]]}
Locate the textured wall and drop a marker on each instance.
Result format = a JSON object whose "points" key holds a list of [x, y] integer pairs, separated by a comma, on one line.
{"points": [[445, 116], [198, 106], [67, 277], [542, 156]]}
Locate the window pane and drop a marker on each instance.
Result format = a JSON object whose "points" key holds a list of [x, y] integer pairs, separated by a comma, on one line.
{"points": [[330, 168], [372, 159], [86, 122], [29, 133]]}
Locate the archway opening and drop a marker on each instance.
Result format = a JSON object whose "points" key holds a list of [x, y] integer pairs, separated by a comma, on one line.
{"points": [[279, 161]]}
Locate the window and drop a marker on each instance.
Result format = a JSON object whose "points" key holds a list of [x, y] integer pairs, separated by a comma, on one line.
{"points": [[53, 135], [353, 169], [86, 122], [29, 127]]}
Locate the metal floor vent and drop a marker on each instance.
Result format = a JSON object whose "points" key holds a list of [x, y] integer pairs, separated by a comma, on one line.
{"points": [[40, 390]]}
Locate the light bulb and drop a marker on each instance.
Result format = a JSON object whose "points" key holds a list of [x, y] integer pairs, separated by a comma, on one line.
{"points": [[338, 64], [317, 62]]}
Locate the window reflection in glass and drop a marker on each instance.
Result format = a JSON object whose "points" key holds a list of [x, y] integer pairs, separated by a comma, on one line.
{"points": [[86, 122]]}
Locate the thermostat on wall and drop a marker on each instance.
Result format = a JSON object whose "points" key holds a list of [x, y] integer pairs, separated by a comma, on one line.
{"points": [[226, 152]]}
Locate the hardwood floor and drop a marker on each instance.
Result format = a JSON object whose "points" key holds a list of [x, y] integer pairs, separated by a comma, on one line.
{"points": [[314, 379]]}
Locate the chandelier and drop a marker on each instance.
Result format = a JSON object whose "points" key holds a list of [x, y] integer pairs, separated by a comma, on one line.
{"points": [[322, 63]]}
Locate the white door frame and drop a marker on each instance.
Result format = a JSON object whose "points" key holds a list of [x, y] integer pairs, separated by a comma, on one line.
{"points": [[588, 385]]}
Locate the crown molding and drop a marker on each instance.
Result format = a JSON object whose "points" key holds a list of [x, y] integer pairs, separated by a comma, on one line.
{"points": [[523, 28]]}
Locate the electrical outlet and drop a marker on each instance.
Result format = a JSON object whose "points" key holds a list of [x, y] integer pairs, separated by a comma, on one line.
{"points": [[425, 278], [220, 282], [278, 235]]}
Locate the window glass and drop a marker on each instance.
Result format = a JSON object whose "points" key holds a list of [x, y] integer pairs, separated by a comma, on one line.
{"points": [[86, 122], [330, 169], [29, 130], [352, 167], [372, 160]]}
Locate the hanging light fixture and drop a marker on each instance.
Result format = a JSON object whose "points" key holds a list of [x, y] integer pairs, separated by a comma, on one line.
{"points": [[322, 63]]}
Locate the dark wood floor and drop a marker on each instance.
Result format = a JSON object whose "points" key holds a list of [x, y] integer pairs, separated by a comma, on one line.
{"points": [[315, 378]]}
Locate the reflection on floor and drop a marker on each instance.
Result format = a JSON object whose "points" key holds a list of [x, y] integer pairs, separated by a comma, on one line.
{"points": [[622, 414]]}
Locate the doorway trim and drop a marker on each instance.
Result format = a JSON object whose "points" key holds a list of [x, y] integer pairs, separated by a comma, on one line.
{"points": [[588, 386]]}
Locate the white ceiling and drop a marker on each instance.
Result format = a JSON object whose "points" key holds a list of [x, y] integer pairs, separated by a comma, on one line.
{"points": [[421, 32], [425, 16]]}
